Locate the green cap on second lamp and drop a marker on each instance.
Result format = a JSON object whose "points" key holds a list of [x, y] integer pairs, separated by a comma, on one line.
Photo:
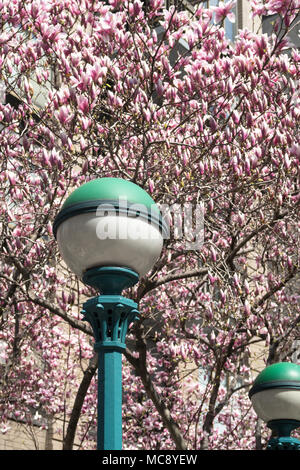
{"points": [[279, 375]]}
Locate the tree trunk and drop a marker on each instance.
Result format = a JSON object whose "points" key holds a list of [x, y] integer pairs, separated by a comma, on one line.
{"points": [[162, 409], [141, 369], [49, 434], [258, 443], [81, 393]]}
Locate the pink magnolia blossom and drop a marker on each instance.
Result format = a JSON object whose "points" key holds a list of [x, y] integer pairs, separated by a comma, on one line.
{"points": [[224, 10], [83, 104]]}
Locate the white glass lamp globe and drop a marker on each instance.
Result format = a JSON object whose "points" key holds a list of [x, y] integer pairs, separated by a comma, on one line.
{"points": [[275, 394], [109, 222]]}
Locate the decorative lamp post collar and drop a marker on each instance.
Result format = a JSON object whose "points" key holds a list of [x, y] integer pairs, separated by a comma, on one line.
{"points": [[275, 396]]}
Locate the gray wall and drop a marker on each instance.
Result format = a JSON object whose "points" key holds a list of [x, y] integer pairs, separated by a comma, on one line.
{"points": [[268, 25]]}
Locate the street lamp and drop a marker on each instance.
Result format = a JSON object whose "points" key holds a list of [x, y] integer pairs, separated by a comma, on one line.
{"points": [[110, 233], [275, 396]]}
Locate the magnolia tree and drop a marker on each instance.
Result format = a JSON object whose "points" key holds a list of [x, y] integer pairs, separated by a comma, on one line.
{"points": [[159, 97]]}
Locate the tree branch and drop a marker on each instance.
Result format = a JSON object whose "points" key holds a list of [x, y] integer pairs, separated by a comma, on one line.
{"points": [[80, 325]]}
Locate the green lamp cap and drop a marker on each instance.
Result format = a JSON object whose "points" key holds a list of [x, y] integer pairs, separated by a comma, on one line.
{"points": [[279, 375], [124, 196], [109, 189]]}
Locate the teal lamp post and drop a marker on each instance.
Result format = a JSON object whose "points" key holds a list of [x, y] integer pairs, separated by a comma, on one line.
{"points": [[275, 396], [110, 233]]}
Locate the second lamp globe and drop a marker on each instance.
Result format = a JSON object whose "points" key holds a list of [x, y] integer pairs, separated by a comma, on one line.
{"points": [[275, 394]]}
